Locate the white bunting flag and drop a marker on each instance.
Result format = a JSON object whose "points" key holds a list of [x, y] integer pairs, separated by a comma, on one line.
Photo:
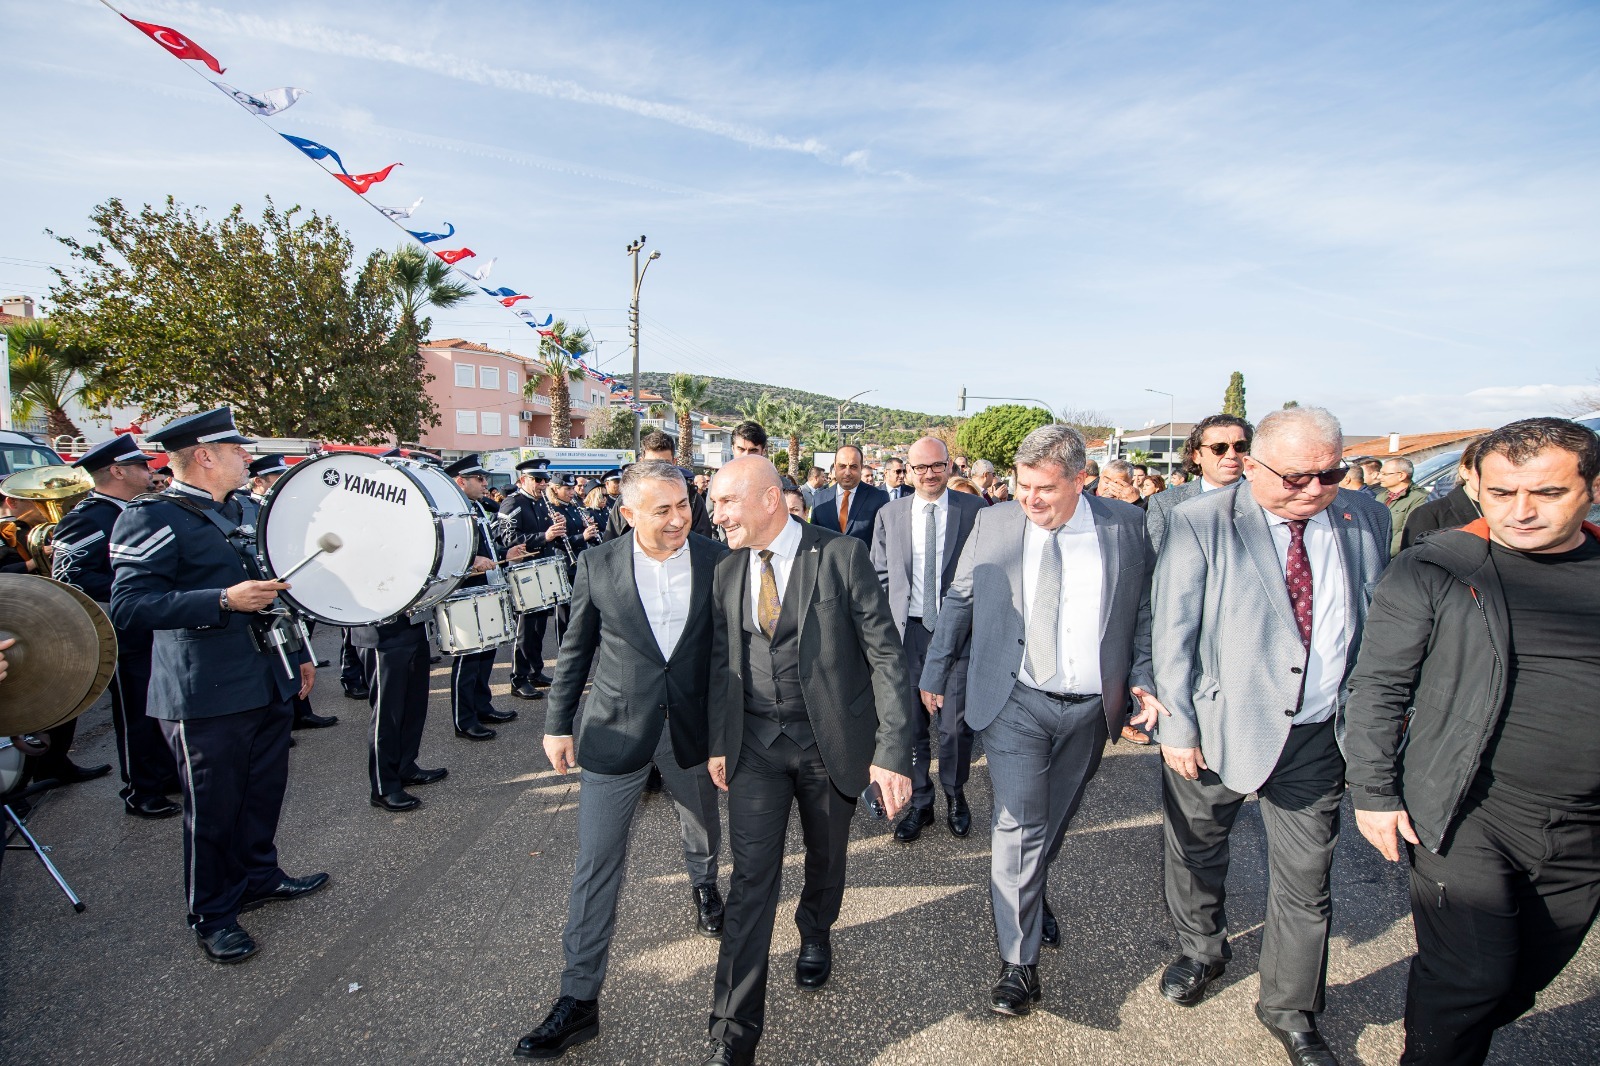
{"points": [[398, 213], [268, 103], [482, 273]]}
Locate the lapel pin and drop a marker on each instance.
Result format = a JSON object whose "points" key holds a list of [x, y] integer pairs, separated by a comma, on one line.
{"points": [[1347, 516]]}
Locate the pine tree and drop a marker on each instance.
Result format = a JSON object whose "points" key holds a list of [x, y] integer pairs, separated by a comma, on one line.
{"points": [[1233, 399]]}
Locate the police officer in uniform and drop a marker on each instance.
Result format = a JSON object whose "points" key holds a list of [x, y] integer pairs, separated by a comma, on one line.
{"points": [[469, 673], [82, 559], [222, 679], [525, 520]]}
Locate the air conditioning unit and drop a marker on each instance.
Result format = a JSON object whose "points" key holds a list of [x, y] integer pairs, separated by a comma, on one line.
{"points": [[526, 416]]}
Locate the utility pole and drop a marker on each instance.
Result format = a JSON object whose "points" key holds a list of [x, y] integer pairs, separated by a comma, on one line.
{"points": [[633, 324], [1171, 414]]}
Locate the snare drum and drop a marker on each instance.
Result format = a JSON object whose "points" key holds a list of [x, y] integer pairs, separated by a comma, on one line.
{"points": [[407, 531], [475, 619], [539, 584]]}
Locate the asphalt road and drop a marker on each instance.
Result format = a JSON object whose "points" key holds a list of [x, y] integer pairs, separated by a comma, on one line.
{"points": [[438, 940]]}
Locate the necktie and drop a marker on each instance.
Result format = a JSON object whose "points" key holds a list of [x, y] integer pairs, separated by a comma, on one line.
{"points": [[844, 509], [1046, 614], [769, 606], [1297, 575], [930, 568]]}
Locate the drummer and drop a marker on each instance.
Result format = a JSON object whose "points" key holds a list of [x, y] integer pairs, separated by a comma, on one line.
{"points": [[578, 532], [470, 671], [526, 521]]}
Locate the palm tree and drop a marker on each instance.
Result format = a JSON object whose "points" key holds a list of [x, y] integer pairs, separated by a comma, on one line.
{"points": [[418, 281], [797, 422], [558, 354], [688, 392], [49, 371], [822, 440], [762, 410]]}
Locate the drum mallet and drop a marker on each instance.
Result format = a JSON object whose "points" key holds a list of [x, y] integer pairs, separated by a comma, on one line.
{"points": [[327, 543]]}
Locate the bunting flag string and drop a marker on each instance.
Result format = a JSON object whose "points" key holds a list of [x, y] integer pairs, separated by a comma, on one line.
{"points": [[272, 102]]}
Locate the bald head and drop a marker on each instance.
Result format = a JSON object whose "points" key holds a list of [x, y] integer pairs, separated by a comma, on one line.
{"points": [[930, 467], [747, 499]]}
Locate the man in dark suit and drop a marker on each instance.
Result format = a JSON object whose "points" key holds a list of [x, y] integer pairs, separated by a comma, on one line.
{"points": [[915, 545], [641, 606], [809, 702], [894, 479], [849, 507]]}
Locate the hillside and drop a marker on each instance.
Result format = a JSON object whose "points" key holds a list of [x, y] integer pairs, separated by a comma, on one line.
{"points": [[727, 395]]}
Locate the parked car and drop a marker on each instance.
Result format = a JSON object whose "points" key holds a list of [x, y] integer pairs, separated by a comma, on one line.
{"points": [[1438, 474], [24, 451]]}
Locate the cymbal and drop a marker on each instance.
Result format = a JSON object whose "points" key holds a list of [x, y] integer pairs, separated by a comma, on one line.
{"points": [[65, 653]]}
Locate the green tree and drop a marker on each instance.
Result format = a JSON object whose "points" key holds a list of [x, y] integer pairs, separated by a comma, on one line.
{"points": [[418, 281], [273, 318], [797, 422], [48, 372], [1288, 404], [559, 355], [995, 433], [1233, 399], [609, 427], [762, 409], [688, 392]]}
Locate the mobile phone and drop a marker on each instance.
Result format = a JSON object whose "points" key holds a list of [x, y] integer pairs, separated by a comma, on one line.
{"points": [[874, 796]]}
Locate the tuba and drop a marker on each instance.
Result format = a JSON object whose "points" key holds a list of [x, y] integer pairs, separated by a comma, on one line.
{"points": [[45, 494]]}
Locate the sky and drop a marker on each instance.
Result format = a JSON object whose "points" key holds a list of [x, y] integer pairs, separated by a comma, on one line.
{"points": [[1389, 210]]}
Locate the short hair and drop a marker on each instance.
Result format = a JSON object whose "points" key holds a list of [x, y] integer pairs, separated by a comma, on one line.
{"points": [[752, 432], [1055, 443], [1141, 466], [1091, 467], [815, 472], [1191, 443], [647, 470], [1367, 462], [790, 490], [894, 460], [1525, 438], [1118, 468], [860, 455], [1316, 421], [656, 441], [182, 458], [1400, 462], [982, 466]]}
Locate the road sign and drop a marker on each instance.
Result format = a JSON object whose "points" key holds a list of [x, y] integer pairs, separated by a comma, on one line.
{"points": [[844, 425]]}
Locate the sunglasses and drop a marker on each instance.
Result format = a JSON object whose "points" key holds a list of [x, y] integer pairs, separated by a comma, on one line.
{"points": [[1239, 447], [1296, 482]]}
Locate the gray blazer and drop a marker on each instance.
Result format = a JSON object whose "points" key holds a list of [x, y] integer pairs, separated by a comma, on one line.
{"points": [[852, 664], [1157, 508], [1228, 657], [891, 546], [984, 608]]}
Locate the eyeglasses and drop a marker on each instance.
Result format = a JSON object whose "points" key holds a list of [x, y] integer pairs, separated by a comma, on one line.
{"points": [[1240, 447], [929, 468], [1296, 482]]}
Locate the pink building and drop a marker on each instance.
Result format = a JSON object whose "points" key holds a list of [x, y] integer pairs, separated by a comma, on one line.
{"points": [[478, 390]]}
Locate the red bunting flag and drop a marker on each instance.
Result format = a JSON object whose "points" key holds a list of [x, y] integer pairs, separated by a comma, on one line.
{"points": [[509, 300], [177, 44], [360, 183], [454, 257]]}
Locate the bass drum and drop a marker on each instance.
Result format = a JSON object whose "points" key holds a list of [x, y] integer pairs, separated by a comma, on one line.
{"points": [[407, 531]]}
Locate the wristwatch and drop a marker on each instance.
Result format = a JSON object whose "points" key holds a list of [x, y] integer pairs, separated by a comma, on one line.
{"points": [[226, 606]]}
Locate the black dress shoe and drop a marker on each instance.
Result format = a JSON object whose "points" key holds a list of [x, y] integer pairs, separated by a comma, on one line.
{"points": [[910, 827], [70, 773], [1017, 989], [315, 721], [540, 680], [227, 945], [425, 777], [477, 732], [1304, 1048], [815, 963], [1185, 981], [727, 1055], [286, 889], [1049, 931], [435, 660], [323, 663], [356, 692], [570, 1021], [397, 801], [151, 807], [958, 817], [524, 690], [708, 910], [497, 717]]}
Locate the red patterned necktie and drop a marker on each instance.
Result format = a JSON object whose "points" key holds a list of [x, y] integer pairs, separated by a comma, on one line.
{"points": [[1298, 577]]}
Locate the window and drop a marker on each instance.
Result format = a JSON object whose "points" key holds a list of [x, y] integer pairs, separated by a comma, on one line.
{"points": [[514, 380], [491, 422], [464, 375], [488, 377], [466, 421]]}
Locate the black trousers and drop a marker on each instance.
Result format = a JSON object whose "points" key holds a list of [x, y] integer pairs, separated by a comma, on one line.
{"points": [[1497, 917], [766, 784], [527, 660], [302, 704], [352, 670], [148, 768], [234, 769], [469, 687], [955, 738], [397, 687]]}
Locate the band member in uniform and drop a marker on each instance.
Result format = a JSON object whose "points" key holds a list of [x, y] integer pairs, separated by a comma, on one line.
{"points": [[83, 560], [526, 522], [222, 675], [579, 531], [469, 672], [396, 655]]}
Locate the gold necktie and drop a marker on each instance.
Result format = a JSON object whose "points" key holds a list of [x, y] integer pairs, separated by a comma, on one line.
{"points": [[844, 509], [768, 607]]}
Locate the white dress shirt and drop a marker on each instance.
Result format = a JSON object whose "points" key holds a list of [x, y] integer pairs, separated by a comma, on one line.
{"points": [[1206, 486], [1329, 647], [664, 588], [784, 548], [1082, 584], [919, 547]]}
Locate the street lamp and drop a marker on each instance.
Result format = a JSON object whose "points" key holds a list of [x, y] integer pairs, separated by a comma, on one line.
{"points": [[1171, 409], [963, 398], [633, 322], [839, 422]]}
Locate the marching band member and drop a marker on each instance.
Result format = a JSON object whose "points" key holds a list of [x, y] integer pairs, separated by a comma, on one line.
{"points": [[469, 672], [579, 531], [526, 522]]}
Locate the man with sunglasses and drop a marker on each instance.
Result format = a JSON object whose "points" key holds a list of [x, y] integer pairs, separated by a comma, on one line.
{"points": [[1213, 458], [1260, 599]]}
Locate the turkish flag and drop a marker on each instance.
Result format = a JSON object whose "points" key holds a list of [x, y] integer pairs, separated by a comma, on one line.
{"points": [[454, 257], [509, 300], [360, 183], [177, 43]]}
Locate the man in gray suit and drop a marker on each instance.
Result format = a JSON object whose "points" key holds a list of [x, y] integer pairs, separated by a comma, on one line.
{"points": [[1261, 594], [641, 613], [809, 702], [1052, 596], [915, 545], [1214, 459]]}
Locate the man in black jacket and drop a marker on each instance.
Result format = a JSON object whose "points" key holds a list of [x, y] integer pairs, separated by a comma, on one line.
{"points": [[1480, 653], [641, 613]]}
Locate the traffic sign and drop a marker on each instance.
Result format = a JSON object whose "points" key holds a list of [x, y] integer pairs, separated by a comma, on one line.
{"points": [[844, 425]]}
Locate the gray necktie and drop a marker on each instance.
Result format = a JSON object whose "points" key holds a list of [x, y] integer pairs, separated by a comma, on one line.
{"points": [[1042, 621], [930, 568]]}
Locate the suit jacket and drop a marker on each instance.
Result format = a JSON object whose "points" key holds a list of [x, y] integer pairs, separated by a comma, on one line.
{"points": [[899, 493], [852, 664], [865, 502], [1159, 506], [1228, 653], [983, 609], [635, 688], [891, 547]]}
